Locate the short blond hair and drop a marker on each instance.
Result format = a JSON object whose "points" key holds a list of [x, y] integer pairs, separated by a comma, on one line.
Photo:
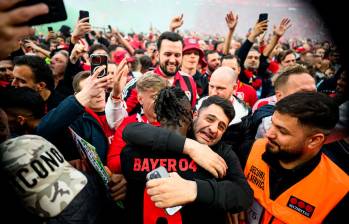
{"points": [[150, 81]]}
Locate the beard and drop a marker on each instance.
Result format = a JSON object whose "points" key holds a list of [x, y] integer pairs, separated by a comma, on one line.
{"points": [[168, 73], [278, 153]]}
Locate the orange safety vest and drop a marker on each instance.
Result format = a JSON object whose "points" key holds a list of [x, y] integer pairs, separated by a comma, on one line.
{"points": [[308, 201]]}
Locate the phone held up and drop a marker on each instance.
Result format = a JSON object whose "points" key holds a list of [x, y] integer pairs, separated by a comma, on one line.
{"points": [[84, 14], [262, 17], [98, 60], [161, 172], [56, 13]]}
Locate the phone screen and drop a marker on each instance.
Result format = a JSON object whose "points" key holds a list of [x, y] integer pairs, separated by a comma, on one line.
{"points": [[98, 60], [161, 172]]}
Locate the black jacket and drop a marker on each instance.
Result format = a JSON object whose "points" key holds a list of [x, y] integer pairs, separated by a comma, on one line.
{"points": [[215, 197]]}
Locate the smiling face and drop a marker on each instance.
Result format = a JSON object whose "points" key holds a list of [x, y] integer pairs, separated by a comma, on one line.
{"points": [[210, 125], [170, 56]]}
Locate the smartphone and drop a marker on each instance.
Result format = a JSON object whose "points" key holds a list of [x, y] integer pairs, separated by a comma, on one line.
{"points": [[50, 29], [109, 27], [161, 172], [98, 60], [56, 13], [262, 17], [84, 14]]}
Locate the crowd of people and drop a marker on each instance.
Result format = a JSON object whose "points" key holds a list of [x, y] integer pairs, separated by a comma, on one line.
{"points": [[251, 130]]}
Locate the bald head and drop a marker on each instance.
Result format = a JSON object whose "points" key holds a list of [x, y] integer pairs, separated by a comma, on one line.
{"points": [[223, 82]]}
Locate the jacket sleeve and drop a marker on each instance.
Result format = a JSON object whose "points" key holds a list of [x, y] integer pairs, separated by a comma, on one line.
{"points": [[115, 112], [243, 52], [59, 118], [115, 148], [232, 193], [263, 66], [154, 138]]}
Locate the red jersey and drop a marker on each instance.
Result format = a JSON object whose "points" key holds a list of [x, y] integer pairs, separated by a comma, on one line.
{"points": [[115, 148]]}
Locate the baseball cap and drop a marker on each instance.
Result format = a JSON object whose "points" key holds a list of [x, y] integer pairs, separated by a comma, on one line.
{"points": [[191, 43], [44, 181], [118, 56]]}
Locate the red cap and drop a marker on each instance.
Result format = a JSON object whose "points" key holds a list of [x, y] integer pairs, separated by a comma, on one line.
{"points": [[118, 56], [300, 50], [193, 43]]}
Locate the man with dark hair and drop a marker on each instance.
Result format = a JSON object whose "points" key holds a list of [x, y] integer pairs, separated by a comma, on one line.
{"points": [[33, 72], [213, 62], [152, 52], [24, 108], [98, 49], [205, 198], [254, 63], [146, 64], [170, 47], [223, 83], [287, 58], [293, 181]]}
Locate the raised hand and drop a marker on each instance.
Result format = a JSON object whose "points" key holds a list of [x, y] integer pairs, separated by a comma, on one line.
{"points": [[77, 52], [80, 29], [258, 29], [176, 22], [120, 78], [231, 20], [93, 87], [284, 25]]}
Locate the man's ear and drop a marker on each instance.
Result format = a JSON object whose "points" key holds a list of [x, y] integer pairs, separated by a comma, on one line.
{"points": [[195, 114], [278, 95], [140, 98], [21, 120], [316, 141], [40, 86], [235, 88]]}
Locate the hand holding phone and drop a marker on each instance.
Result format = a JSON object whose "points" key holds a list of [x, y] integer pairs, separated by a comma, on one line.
{"points": [[161, 172], [98, 60]]}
